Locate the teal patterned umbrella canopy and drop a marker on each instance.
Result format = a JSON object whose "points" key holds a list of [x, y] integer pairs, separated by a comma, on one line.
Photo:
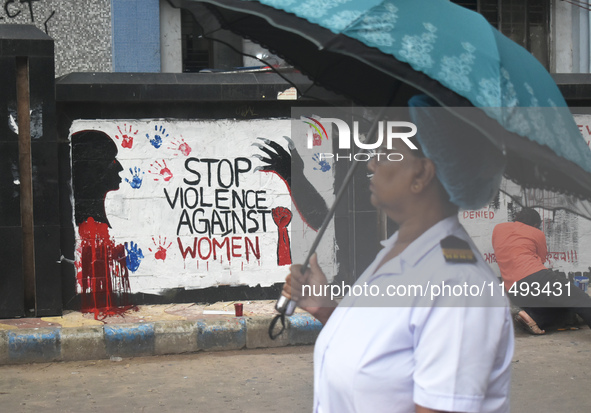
{"points": [[462, 51], [367, 49]]}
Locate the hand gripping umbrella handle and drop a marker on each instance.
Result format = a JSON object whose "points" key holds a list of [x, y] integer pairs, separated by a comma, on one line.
{"points": [[285, 306]]}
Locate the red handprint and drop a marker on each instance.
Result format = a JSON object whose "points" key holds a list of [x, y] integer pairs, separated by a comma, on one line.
{"points": [[127, 137], [161, 170], [162, 247], [316, 140], [182, 146]]}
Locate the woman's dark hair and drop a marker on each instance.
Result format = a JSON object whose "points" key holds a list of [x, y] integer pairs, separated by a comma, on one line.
{"points": [[529, 217]]}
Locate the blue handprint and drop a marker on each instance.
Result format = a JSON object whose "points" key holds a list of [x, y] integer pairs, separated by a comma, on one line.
{"points": [[136, 181], [134, 257], [324, 166], [159, 133]]}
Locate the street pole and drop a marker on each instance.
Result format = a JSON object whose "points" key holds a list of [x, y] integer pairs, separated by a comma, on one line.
{"points": [[26, 181]]}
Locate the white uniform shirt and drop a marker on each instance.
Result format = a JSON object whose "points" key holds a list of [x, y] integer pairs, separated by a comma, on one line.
{"points": [[444, 357]]}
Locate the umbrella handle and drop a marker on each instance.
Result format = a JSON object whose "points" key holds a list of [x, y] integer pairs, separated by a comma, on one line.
{"points": [[285, 306]]}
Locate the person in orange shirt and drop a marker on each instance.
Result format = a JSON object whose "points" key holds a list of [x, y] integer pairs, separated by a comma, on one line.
{"points": [[544, 296]]}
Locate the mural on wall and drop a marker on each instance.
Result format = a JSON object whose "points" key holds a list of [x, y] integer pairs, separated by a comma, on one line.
{"points": [[102, 271], [568, 235], [308, 201], [191, 204], [564, 232]]}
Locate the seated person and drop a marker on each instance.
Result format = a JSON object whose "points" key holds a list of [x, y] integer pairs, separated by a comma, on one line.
{"points": [[520, 249]]}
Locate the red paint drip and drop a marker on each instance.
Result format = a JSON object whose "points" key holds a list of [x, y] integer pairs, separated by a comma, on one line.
{"points": [[103, 273]]}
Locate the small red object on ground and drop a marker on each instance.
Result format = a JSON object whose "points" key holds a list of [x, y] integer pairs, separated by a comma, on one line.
{"points": [[238, 309]]}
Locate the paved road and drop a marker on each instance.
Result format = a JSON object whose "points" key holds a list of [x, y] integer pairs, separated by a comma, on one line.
{"points": [[550, 374], [268, 380]]}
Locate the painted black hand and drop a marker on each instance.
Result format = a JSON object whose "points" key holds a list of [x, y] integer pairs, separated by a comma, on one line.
{"points": [[278, 160], [309, 203]]}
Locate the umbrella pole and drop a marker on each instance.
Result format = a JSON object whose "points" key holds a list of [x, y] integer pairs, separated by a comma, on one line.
{"points": [[284, 306], [339, 195]]}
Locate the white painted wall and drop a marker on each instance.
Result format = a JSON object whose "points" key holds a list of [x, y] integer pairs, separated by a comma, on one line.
{"points": [[562, 61], [171, 53], [144, 215], [571, 37]]}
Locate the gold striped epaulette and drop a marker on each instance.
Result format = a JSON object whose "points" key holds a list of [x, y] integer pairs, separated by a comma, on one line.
{"points": [[457, 250]]}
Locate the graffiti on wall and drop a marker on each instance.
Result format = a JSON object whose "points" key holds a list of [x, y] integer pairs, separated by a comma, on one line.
{"points": [[102, 271], [585, 129], [185, 204], [567, 234], [551, 257], [19, 9], [81, 30]]}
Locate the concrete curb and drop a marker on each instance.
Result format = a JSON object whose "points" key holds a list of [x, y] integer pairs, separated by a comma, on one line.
{"points": [[46, 344]]}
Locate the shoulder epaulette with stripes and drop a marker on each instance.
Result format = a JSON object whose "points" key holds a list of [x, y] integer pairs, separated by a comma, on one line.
{"points": [[457, 250]]}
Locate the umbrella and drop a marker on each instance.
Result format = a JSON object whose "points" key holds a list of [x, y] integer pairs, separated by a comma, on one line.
{"points": [[379, 53]]}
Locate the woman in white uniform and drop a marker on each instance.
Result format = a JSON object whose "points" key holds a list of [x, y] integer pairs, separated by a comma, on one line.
{"points": [[406, 347]]}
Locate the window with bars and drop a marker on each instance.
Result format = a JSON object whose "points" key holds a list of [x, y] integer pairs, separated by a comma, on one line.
{"points": [[197, 52], [526, 22]]}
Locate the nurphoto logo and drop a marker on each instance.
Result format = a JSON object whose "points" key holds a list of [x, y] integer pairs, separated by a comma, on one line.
{"points": [[387, 131]]}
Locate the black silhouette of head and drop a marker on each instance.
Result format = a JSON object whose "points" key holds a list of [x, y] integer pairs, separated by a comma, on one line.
{"points": [[95, 172]]}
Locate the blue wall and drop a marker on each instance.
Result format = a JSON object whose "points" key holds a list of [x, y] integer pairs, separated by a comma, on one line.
{"points": [[136, 35]]}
